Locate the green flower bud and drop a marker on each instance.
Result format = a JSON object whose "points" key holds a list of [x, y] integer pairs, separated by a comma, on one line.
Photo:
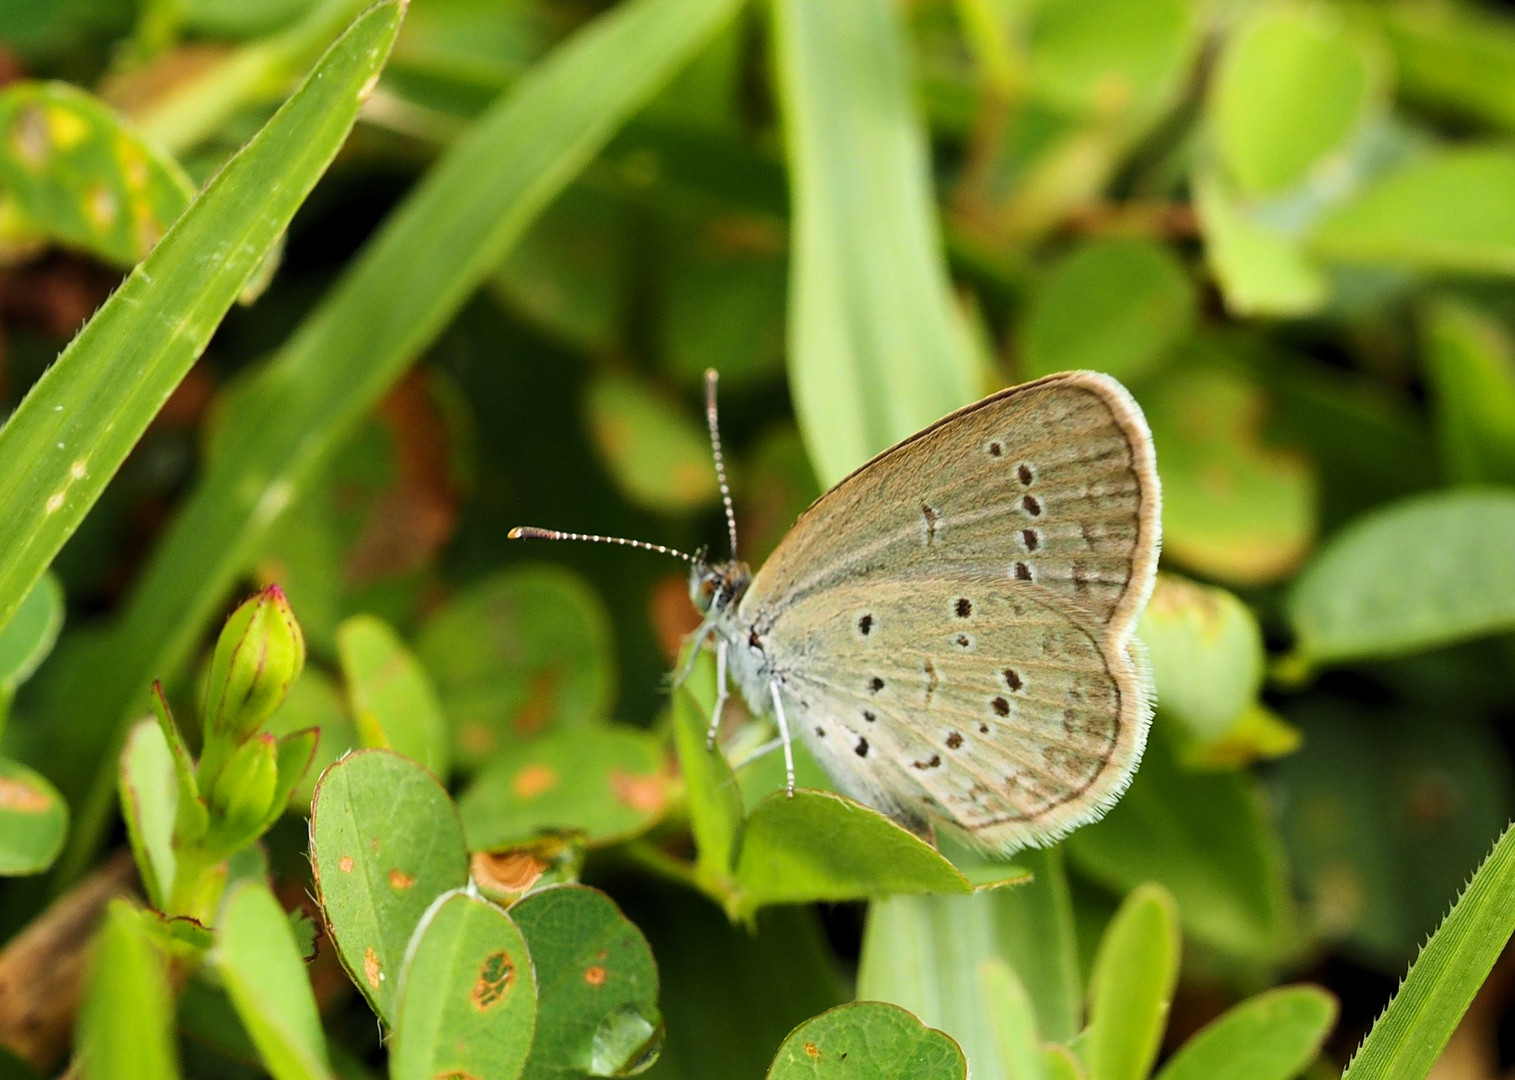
{"points": [[260, 653], [244, 793]]}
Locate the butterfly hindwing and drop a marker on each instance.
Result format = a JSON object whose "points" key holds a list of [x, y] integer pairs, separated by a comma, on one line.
{"points": [[990, 708]]}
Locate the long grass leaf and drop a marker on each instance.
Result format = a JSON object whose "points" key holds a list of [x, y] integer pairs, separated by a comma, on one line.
{"points": [[392, 301], [72, 431]]}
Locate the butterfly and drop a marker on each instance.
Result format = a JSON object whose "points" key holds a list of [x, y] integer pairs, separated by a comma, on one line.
{"points": [[950, 629]]}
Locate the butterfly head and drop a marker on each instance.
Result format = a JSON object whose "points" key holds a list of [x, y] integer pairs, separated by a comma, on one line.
{"points": [[716, 588]]}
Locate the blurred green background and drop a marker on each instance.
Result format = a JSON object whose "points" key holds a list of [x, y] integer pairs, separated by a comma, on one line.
{"points": [[1288, 228]]}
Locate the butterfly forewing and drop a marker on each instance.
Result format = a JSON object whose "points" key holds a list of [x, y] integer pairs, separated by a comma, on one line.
{"points": [[1049, 483], [994, 710]]}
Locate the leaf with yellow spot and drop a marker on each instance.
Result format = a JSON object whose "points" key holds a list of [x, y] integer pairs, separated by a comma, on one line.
{"points": [[384, 842], [75, 172], [468, 995], [607, 783], [33, 820]]}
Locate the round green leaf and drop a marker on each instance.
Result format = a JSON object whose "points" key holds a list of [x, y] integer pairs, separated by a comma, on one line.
{"points": [[594, 971], [1115, 306], [822, 846], [26, 640], [76, 173], [607, 782], [868, 1038], [1235, 506], [656, 450], [1452, 210], [1261, 270], [1420, 573], [33, 820], [468, 996], [388, 688], [1272, 1036], [384, 843], [518, 653], [1135, 972], [1293, 86]]}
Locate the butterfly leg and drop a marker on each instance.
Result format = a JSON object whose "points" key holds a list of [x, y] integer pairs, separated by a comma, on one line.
{"points": [[778, 711], [720, 694]]}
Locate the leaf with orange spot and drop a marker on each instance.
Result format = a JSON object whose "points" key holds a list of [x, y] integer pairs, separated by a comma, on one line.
{"points": [[655, 449], [467, 997], [385, 843], [597, 986], [517, 654], [608, 783], [868, 1038]]}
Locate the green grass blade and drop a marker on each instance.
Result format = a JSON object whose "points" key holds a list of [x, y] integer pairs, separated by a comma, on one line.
{"points": [[396, 296], [876, 351], [73, 430], [1408, 1038]]}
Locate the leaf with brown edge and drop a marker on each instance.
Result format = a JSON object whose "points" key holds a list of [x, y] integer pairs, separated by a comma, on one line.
{"points": [[384, 843]]}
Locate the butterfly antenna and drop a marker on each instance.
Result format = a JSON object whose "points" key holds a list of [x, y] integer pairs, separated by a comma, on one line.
{"points": [[531, 532], [720, 463]]}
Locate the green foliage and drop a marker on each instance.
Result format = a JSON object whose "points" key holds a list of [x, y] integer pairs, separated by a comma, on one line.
{"points": [[1285, 227]]}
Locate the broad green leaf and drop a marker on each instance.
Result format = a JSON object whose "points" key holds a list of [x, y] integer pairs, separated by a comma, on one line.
{"points": [[1292, 87], [1453, 57], [394, 298], [33, 820], [724, 300], [384, 843], [75, 172], [468, 995], [1206, 839], [388, 687], [925, 954], [1470, 362], [1012, 1020], [126, 1020], [1383, 815], [259, 964], [1207, 658], [1134, 976], [1117, 62], [1272, 1036], [518, 653], [1116, 306], [876, 350], [29, 636], [1235, 506], [657, 452], [1451, 210], [821, 846], [1414, 575], [77, 424], [608, 783], [597, 986], [715, 800], [571, 271], [868, 1038], [1260, 269], [149, 803], [1407, 1039]]}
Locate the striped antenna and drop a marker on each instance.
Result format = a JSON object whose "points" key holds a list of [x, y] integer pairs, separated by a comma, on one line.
{"points": [[715, 446], [530, 532]]}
